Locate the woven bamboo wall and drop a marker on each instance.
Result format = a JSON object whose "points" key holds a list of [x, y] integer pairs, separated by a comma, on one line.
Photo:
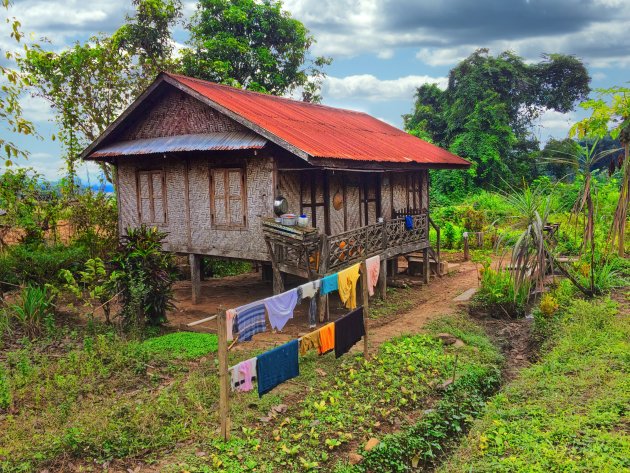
{"points": [[289, 188], [336, 216], [399, 190], [352, 202], [179, 114], [386, 196], [198, 236]]}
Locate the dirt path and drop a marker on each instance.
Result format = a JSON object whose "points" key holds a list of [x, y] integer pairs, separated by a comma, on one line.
{"points": [[430, 301]]}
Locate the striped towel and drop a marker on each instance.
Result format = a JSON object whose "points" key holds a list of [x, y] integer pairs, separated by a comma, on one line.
{"points": [[250, 320]]}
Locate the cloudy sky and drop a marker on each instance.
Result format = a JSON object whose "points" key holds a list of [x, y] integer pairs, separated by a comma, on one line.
{"points": [[382, 49]]}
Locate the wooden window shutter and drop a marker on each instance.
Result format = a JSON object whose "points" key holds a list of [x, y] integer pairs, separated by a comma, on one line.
{"points": [[228, 192], [152, 197]]}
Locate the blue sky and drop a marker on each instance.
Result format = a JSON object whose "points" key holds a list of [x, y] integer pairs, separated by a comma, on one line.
{"points": [[382, 49]]}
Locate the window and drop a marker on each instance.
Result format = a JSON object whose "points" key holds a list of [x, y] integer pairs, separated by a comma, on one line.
{"points": [[152, 197], [228, 198]]}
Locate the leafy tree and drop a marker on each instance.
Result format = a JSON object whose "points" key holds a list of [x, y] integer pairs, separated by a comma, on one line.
{"points": [[147, 35], [13, 85], [486, 112], [90, 84], [254, 45], [567, 150]]}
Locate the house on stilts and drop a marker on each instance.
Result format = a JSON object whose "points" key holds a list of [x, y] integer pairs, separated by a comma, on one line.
{"points": [[206, 163]]}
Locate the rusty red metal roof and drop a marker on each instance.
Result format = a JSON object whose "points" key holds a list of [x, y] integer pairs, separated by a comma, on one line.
{"points": [[324, 132], [220, 141]]}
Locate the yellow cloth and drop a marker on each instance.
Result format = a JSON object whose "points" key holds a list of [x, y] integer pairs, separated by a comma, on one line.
{"points": [[309, 341], [326, 338], [347, 281]]}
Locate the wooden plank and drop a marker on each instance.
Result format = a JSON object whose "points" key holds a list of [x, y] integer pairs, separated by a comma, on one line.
{"points": [[426, 266], [195, 277], [382, 279], [366, 308], [224, 387]]}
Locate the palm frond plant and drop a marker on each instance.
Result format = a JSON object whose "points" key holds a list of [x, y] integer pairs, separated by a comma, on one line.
{"points": [[531, 208], [585, 160]]}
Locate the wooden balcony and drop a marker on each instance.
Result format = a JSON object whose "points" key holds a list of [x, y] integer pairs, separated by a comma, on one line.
{"points": [[306, 253]]}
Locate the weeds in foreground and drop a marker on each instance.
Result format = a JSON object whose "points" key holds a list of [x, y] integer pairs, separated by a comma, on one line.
{"points": [[569, 411]]}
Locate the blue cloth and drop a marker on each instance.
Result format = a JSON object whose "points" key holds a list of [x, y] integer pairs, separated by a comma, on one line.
{"points": [[250, 320], [277, 366], [409, 222], [330, 284]]}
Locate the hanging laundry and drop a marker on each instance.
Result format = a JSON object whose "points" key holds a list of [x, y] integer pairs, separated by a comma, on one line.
{"points": [[250, 320], [326, 338], [409, 222], [310, 290], [230, 322], [329, 284], [348, 330], [277, 366], [347, 282], [280, 308], [373, 267], [310, 341], [243, 374]]}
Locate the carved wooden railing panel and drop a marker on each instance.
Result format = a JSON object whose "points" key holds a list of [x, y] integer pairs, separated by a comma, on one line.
{"points": [[323, 255]]}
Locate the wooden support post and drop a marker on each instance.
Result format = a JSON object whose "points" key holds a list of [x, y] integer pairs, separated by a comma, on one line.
{"points": [[466, 247], [366, 308], [224, 377], [382, 279], [426, 266], [195, 277], [322, 307]]}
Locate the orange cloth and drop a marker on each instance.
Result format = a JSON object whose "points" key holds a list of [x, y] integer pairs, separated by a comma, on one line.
{"points": [[326, 338], [347, 282]]}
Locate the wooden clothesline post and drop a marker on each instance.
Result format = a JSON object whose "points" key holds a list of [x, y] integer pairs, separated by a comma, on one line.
{"points": [[224, 378], [366, 310]]}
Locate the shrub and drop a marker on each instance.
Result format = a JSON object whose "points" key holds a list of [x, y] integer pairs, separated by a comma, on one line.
{"points": [[220, 268], [145, 276], [498, 294], [38, 264], [32, 310]]}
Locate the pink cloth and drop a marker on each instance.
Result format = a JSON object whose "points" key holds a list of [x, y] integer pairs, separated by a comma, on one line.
{"points": [[373, 266], [230, 315], [243, 374]]}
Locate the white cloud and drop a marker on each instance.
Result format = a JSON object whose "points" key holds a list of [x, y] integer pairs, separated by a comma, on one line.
{"points": [[556, 124], [370, 88], [36, 109]]}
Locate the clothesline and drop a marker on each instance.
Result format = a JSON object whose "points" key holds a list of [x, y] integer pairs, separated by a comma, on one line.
{"points": [[281, 363]]}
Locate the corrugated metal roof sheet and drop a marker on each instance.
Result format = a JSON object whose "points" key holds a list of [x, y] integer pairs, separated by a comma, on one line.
{"points": [[200, 142], [322, 131]]}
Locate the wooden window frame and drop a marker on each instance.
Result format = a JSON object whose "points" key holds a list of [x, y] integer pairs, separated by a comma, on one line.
{"points": [[312, 203], [410, 180], [365, 181], [242, 225], [150, 173]]}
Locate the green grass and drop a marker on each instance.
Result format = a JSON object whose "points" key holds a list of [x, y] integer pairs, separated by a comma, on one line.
{"points": [[570, 411], [397, 302], [337, 404], [109, 399], [183, 345]]}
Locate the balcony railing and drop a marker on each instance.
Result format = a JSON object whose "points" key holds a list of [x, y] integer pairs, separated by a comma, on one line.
{"points": [[316, 255]]}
